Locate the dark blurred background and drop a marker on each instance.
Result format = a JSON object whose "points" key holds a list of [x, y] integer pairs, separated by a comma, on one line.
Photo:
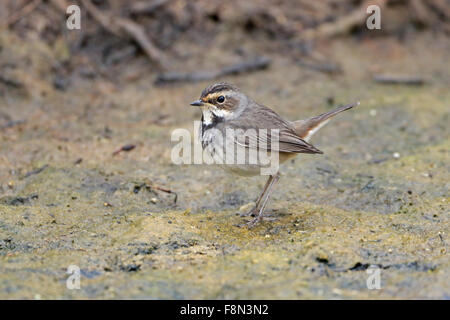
{"points": [[178, 35]]}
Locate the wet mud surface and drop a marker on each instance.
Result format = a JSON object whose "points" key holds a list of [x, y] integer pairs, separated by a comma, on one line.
{"points": [[378, 196]]}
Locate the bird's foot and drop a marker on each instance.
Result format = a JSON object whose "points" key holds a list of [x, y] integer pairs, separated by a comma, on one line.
{"points": [[252, 223], [252, 213]]}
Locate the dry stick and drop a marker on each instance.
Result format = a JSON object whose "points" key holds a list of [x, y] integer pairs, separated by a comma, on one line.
{"points": [[325, 67], [343, 24], [166, 191], [440, 6], [147, 7], [421, 12], [258, 63], [127, 148], [150, 186], [104, 20], [9, 81], [27, 9], [392, 79], [35, 171], [12, 123], [61, 5], [122, 27], [138, 34]]}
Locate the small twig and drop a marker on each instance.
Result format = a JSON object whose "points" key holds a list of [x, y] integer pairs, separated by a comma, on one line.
{"points": [[104, 20], [10, 80], [121, 55], [393, 79], [147, 7], [137, 33], [125, 28], [35, 171], [159, 119], [12, 123], [343, 24], [258, 63], [26, 10], [440, 7], [421, 12], [151, 187], [166, 191], [61, 5], [127, 147], [325, 67]]}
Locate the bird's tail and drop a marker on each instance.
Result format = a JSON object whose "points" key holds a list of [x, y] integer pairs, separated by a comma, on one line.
{"points": [[306, 128]]}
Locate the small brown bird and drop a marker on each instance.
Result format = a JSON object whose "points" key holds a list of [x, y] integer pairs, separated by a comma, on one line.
{"points": [[225, 107]]}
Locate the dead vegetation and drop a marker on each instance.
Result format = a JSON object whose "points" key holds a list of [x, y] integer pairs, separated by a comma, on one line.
{"points": [[115, 31]]}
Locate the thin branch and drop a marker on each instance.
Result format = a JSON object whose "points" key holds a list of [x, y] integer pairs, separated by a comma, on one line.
{"points": [[147, 7], [258, 63], [125, 28], [394, 79], [26, 10], [343, 24]]}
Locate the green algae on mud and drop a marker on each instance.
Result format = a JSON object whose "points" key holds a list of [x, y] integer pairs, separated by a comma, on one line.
{"points": [[310, 252], [333, 216]]}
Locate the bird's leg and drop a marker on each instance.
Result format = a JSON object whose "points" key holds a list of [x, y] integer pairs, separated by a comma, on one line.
{"points": [[254, 211], [273, 180]]}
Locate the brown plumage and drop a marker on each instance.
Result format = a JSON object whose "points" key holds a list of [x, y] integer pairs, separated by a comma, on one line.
{"points": [[225, 107], [261, 117]]}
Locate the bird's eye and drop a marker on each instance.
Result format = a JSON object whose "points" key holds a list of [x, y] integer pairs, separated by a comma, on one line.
{"points": [[220, 99]]}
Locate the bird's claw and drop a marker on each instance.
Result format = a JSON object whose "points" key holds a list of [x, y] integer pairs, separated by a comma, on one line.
{"points": [[254, 221], [252, 213], [250, 224]]}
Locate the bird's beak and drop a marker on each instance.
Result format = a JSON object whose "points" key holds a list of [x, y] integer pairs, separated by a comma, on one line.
{"points": [[197, 103]]}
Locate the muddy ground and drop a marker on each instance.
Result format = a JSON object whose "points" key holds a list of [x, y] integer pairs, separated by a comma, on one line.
{"points": [[378, 196]]}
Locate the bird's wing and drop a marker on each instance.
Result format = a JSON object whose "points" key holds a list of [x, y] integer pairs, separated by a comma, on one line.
{"points": [[262, 125], [288, 141]]}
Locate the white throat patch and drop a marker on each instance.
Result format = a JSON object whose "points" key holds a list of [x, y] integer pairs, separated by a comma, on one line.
{"points": [[208, 115]]}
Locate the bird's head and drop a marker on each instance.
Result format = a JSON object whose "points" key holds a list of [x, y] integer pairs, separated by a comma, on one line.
{"points": [[222, 100]]}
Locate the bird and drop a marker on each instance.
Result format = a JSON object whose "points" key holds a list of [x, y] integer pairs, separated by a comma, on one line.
{"points": [[225, 108]]}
